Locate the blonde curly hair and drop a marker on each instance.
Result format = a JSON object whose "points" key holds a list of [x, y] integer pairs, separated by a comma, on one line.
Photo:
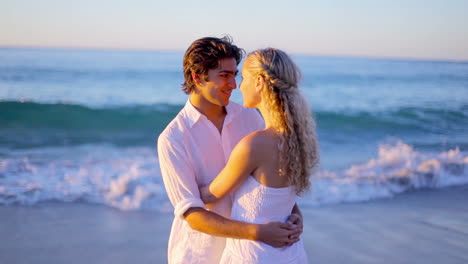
{"points": [[290, 114]]}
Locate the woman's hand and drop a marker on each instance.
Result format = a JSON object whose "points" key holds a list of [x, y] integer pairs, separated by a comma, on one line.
{"points": [[206, 196]]}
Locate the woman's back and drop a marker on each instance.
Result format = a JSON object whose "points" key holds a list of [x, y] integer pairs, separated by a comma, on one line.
{"points": [[267, 173]]}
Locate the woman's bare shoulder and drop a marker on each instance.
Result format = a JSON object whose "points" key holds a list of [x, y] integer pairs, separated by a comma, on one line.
{"points": [[259, 141]]}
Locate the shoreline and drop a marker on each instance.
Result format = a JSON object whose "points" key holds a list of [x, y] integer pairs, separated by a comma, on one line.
{"points": [[423, 226]]}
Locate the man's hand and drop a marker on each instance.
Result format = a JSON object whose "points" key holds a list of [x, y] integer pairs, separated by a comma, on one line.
{"points": [[296, 220], [277, 234]]}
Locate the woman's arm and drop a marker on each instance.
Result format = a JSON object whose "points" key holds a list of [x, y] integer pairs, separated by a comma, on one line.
{"points": [[242, 162]]}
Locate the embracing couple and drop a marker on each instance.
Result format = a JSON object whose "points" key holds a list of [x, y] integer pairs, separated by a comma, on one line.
{"points": [[231, 175]]}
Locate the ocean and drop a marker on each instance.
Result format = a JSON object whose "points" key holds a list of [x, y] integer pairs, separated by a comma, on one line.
{"points": [[81, 125]]}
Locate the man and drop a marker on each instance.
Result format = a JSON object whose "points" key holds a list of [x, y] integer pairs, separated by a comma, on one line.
{"points": [[195, 147]]}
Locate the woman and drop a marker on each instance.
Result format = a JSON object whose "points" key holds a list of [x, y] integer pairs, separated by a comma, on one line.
{"points": [[270, 167]]}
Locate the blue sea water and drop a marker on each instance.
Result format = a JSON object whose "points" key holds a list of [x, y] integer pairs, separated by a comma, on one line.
{"points": [[81, 125]]}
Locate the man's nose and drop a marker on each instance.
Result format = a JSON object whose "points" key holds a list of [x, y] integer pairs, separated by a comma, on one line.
{"points": [[232, 83]]}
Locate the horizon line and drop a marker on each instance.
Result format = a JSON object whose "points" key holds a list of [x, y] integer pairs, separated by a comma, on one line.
{"points": [[351, 56]]}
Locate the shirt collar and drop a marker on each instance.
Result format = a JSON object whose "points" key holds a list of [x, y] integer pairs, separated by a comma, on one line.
{"points": [[232, 110], [193, 115]]}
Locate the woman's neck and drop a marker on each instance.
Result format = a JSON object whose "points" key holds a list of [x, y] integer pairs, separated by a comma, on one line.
{"points": [[265, 114]]}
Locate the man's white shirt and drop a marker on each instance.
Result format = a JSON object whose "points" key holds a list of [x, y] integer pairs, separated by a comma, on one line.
{"points": [[191, 154]]}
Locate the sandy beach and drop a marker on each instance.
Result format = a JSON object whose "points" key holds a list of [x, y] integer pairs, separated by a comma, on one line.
{"points": [[425, 226]]}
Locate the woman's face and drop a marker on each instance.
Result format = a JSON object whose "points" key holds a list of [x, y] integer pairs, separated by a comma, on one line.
{"points": [[248, 87]]}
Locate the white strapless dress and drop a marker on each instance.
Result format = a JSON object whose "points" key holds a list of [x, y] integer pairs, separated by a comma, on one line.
{"points": [[257, 203]]}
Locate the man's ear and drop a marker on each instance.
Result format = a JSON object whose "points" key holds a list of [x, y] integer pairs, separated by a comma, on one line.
{"points": [[197, 79], [259, 83]]}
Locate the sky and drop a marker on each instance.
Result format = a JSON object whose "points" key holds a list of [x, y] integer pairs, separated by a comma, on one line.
{"points": [[430, 29]]}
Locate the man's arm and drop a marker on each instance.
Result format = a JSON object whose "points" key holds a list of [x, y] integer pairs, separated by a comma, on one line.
{"points": [[275, 234], [177, 174], [182, 190], [242, 162]]}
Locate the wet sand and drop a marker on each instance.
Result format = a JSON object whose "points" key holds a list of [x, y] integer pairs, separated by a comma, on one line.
{"points": [[426, 226]]}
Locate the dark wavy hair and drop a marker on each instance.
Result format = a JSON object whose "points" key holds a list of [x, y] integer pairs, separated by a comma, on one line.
{"points": [[204, 54]]}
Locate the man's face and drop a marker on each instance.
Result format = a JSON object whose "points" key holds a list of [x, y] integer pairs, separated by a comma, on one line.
{"points": [[221, 81]]}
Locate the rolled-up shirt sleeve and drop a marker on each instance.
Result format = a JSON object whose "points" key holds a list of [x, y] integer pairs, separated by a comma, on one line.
{"points": [[178, 176]]}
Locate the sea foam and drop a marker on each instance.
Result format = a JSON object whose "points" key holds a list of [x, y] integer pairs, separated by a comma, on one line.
{"points": [[398, 168], [130, 178], [127, 179]]}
